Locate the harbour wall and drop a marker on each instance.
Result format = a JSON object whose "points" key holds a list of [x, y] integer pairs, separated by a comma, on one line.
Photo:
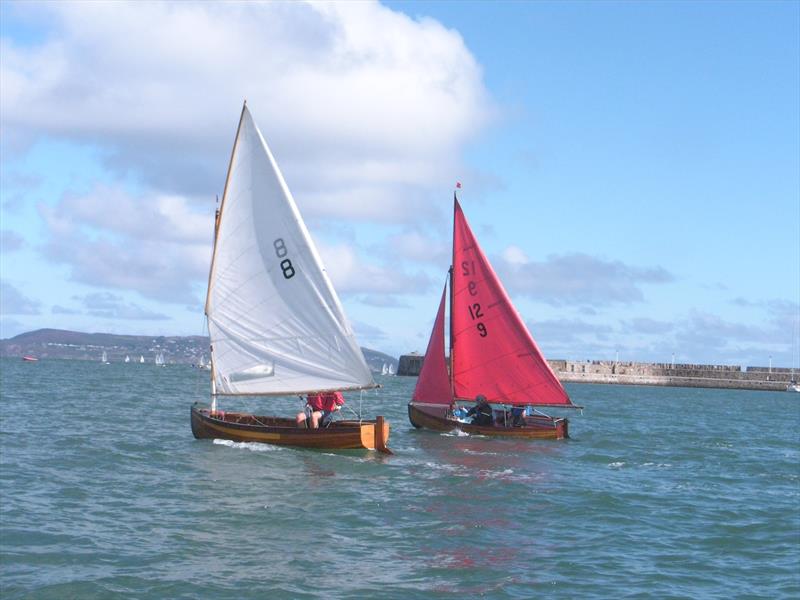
{"points": [[657, 374], [410, 364]]}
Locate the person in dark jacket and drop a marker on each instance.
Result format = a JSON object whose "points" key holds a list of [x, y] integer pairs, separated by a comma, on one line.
{"points": [[481, 413]]}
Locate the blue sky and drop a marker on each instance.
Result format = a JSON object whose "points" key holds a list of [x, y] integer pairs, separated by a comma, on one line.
{"points": [[632, 169]]}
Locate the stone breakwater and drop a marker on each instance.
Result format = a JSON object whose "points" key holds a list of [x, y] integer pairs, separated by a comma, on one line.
{"points": [[678, 375], [663, 374]]}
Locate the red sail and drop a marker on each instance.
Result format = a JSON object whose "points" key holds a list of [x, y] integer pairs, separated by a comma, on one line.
{"points": [[433, 385], [493, 352]]}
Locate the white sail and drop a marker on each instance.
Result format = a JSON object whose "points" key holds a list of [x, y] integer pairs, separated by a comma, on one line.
{"points": [[127, 358], [275, 322], [141, 358], [384, 369], [104, 358], [391, 369]]}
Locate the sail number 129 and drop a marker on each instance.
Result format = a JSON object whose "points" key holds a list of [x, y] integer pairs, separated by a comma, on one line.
{"points": [[476, 313], [285, 264]]}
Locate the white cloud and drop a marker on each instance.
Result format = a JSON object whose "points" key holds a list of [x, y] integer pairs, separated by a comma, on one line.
{"points": [[14, 302], [576, 278], [110, 306], [152, 244], [417, 247], [514, 255], [368, 333], [366, 110], [351, 275], [360, 104], [147, 216]]}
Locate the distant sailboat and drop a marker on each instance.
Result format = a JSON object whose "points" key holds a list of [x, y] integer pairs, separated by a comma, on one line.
{"points": [[127, 358], [203, 364], [384, 369], [390, 370], [793, 385], [141, 359], [159, 360], [492, 354], [276, 325], [104, 358]]}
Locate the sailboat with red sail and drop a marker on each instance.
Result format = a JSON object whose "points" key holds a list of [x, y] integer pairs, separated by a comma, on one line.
{"points": [[492, 354]]}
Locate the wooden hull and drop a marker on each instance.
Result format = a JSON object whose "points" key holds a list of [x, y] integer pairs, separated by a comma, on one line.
{"points": [[540, 427], [243, 427]]}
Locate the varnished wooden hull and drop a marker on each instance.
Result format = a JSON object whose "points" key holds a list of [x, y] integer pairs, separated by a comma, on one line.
{"points": [[243, 427], [435, 417]]}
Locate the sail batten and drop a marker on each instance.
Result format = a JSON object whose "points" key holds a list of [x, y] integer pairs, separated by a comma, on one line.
{"points": [[276, 324]]}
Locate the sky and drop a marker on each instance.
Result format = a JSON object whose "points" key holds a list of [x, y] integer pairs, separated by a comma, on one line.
{"points": [[632, 170]]}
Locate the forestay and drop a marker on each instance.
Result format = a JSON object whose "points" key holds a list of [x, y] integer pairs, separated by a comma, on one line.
{"points": [[275, 322]]}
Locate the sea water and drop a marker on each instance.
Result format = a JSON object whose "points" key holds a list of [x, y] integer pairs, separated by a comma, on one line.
{"points": [[660, 492]]}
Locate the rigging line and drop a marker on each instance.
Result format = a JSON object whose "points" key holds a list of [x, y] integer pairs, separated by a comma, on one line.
{"points": [[198, 377], [350, 408]]}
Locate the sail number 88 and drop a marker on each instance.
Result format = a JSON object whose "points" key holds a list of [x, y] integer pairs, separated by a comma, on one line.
{"points": [[281, 252]]}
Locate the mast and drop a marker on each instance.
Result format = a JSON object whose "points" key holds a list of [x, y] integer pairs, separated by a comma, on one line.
{"points": [[452, 296], [217, 219], [218, 216]]}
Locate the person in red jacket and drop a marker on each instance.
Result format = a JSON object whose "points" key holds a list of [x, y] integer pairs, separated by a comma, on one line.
{"points": [[319, 409]]}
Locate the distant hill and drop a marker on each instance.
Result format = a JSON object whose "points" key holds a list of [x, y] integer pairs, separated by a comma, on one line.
{"points": [[77, 345]]}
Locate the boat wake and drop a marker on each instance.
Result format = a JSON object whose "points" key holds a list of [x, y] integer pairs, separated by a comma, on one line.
{"points": [[476, 453], [252, 446], [455, 433]]}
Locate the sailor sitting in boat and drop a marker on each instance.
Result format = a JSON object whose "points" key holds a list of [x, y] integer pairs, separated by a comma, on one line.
{"points": [[513, 417], [319, 409], [482, 411]]}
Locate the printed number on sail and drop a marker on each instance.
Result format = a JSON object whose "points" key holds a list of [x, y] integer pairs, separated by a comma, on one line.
{"points": [[475, 312], [285, 264]]}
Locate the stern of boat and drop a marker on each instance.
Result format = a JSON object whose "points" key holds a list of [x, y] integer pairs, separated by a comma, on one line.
{"points": [[564, 427], [430, 416], [375, 435]]}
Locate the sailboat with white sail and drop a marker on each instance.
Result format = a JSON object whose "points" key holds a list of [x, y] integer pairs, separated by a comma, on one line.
{"points": [[104, 358], [141, 359], [275, 323], [492, 354], [127, 358], [384, 369], [159, 360]]}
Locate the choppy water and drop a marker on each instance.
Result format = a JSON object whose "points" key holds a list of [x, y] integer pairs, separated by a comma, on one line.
{"points": [[661, 492]]}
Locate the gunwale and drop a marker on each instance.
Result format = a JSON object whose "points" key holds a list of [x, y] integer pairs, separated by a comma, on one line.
{"points": [[545, 428], [246, 427]]}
